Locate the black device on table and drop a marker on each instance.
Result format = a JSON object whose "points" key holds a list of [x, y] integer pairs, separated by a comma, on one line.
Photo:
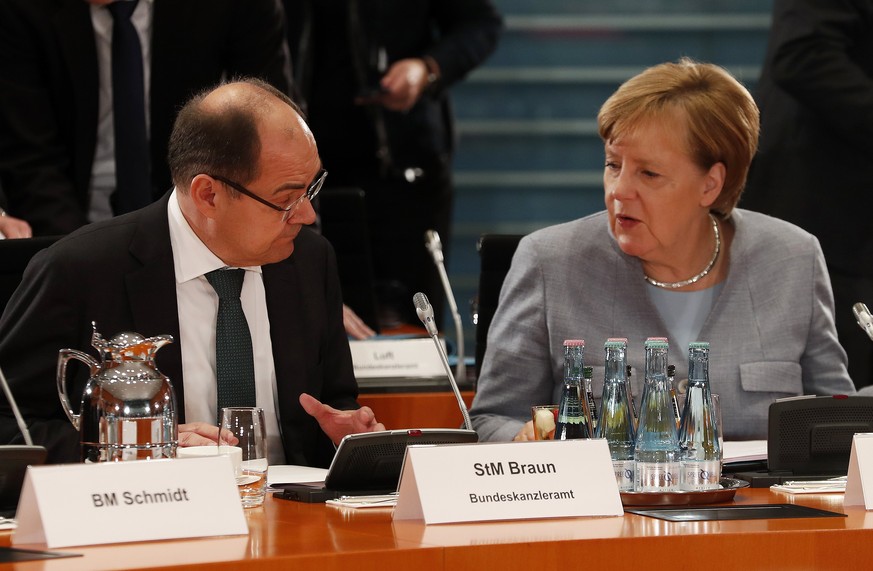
{"points": [[808, 438], [370, 463]]}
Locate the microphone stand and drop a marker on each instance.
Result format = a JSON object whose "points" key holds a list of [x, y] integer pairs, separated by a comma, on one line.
{"points": [[434, 246], [425, 312]]}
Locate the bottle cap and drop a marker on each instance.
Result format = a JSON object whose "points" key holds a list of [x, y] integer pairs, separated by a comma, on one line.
{"points": [[698, 345], [574, 343], [613, 344], [656, 343], [618, 340]]}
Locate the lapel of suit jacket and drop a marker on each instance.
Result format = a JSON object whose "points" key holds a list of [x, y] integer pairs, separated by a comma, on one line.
{"points": [[151, 288], [287, 336]]}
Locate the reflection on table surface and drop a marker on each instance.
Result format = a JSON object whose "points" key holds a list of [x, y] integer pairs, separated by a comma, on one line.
{"points": [[291, 535]]}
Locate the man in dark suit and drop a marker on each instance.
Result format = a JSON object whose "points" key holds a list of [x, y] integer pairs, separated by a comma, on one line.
{"points": [[376, 77], [54, 77], [815, 160], [245, 166]]}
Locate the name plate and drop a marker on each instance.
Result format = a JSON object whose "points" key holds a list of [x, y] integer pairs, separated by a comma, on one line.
{"points": [[115, 502], [859, 480], [390, 358], [513, 480]]}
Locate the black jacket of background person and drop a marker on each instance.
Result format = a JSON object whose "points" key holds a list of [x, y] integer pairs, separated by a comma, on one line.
{"points": [[815, 163], [120, 274], [458, 34], [49, 86]]}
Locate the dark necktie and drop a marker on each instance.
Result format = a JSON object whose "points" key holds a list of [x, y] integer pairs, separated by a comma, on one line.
{"points": [[133, 182], [234, 363]]}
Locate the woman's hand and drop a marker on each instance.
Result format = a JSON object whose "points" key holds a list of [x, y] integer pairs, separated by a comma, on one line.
{"points": [[526, 433]]}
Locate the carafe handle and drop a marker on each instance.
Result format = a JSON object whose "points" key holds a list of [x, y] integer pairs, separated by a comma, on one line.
{"points": [[64, 356]]}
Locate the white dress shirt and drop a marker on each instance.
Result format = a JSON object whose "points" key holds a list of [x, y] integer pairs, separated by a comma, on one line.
{"points": [[198, 309]]}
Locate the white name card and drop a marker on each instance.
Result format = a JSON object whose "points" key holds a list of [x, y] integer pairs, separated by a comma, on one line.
{"points": [[114, 502], [390, 358], [513, 480], [859, 480]]}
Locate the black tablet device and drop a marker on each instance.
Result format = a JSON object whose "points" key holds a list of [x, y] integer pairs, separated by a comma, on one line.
{"points": [[370, 463], [14, 461]]}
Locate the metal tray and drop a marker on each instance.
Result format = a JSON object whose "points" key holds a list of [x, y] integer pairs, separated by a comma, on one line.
{"points": [[729, 487]]}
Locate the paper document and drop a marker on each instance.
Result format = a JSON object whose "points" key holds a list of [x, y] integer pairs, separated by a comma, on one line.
{"points": [[374, 501], [745, 451], [290, 474], [830, 486]]}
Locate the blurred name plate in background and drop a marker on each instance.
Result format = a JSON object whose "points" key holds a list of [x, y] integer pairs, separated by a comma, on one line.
{"points": [[386, 358], [510, 480], [117, 502], [859, 481]]}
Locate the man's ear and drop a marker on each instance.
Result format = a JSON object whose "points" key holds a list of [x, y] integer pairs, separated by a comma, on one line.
{"points": [[204, 194], [713, 184]]}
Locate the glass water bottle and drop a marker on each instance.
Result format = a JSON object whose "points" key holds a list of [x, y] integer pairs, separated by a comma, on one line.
{"points": [[572, 416], [671, 385], [700, 449], [616, 423], [657, 446], [587, 383]]}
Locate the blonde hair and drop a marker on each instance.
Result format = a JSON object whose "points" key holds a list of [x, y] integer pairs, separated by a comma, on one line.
{"points": [[721, 118]]}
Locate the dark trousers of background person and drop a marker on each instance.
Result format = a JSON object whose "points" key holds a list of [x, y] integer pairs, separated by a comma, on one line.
{"points": [[848, 290], [399, 213]]}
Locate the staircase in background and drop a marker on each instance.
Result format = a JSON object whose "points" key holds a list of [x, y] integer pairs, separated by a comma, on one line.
{"points": [[528, 151]]}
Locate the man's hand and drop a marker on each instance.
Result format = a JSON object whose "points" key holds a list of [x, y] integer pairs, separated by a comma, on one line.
{"points": [[11, 227], [403, 84], [338, 423], [203, 434], [354, 325]]}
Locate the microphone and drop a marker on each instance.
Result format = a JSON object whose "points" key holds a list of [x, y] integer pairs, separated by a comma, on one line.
{"points": [[864, 318], [425, 312], [435, 247]]}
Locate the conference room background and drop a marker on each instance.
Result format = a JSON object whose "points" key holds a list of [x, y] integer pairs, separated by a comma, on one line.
{"points": [[528, 154]]}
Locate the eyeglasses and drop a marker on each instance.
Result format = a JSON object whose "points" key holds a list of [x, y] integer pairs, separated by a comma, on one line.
{"points": [[287, 211]]}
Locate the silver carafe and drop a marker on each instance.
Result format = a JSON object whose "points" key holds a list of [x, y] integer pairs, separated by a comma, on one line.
{"points": [[128, 407]]}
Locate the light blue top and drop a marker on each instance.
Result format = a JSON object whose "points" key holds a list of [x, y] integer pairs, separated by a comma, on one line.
{"points": [[684, 313]]}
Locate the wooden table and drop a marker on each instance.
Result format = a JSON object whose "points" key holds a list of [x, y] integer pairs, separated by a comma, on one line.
{"points": [[288, 535], [438, 409]]}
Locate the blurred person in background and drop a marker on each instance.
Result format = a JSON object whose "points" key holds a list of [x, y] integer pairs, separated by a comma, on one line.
{"points": [[815, 162], [58, 126], [375, 79]]}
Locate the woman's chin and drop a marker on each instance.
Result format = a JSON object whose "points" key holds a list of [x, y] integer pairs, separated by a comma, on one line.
{"points": [[629, 246]]}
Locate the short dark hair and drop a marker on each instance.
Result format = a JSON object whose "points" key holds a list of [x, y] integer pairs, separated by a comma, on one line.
{"points": [[223, 141]]}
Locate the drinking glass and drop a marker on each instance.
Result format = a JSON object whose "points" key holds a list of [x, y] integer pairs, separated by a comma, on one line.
{"points": [[545, 418], [247, 425]]}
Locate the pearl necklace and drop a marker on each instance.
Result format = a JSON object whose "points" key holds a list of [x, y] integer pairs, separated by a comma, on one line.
{"points": [[701, 275]]}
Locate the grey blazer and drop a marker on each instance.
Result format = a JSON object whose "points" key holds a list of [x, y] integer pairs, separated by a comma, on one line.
{"points": [[771, 329]]}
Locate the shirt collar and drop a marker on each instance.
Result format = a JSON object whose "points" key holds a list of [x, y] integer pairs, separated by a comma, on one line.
{"points": [[191, 257]]}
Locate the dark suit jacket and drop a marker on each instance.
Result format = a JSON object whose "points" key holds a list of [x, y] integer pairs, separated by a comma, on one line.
{"points": [[49, 83], [458, 34], [120, 274], [815, 163]]}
